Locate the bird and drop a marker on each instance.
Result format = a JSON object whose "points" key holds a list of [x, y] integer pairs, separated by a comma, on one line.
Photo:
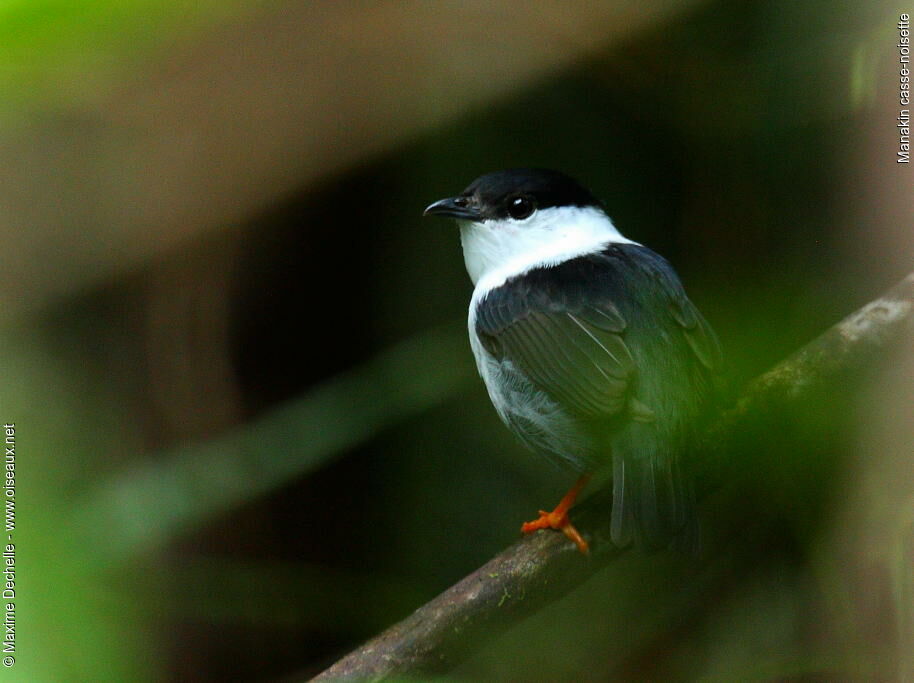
{"points": [[589, 348]]}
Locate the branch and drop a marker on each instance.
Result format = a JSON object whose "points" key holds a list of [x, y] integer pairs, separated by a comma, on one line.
{"points": [[542, 567]]}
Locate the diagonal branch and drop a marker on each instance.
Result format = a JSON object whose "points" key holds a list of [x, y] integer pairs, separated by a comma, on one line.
{"points": [[542, 567]]}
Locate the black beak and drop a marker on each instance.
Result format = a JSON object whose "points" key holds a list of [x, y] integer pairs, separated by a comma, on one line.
{"points": [[453, 207]]}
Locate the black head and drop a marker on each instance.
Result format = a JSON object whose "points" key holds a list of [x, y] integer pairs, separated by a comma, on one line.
{"points": [[514, 193]]}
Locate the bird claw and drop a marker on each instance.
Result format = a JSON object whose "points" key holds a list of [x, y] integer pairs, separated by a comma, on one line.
{"points": [[558, 518], [560, 522]]}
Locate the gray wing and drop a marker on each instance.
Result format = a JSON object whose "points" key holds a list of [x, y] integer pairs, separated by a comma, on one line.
{"points": [[575, 353], [565, 327]]}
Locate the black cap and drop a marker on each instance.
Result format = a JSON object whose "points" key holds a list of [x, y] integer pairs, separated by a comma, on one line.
{"points": [[501, 194]]}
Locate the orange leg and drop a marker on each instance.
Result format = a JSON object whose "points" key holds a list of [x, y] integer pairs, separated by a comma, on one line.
{"points": [[558, 518]]}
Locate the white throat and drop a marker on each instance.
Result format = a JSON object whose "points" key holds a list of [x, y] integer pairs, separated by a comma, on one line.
{"points": [[496, 250]]}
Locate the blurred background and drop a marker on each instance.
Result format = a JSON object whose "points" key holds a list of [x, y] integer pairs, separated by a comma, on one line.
{"points": [[249, 430]]}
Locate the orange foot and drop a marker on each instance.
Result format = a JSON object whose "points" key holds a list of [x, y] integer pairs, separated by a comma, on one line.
{"points": [[558, 518]]}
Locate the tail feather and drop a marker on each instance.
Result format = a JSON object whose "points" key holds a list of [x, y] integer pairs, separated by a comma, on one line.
{"points": [[621, 523], [653, 503]]}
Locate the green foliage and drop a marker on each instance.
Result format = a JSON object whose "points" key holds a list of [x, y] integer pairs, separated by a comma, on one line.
{"points": [[60, 55]]}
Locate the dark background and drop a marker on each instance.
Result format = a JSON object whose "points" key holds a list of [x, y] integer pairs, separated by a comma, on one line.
{"points": [[250, 429]]}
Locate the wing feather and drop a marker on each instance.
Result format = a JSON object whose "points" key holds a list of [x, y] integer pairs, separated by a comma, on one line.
{"points": [[588, 369], [699, 336]]}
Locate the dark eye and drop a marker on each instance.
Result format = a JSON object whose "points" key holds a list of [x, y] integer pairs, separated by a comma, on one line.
{"points": [[521, 207]]}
